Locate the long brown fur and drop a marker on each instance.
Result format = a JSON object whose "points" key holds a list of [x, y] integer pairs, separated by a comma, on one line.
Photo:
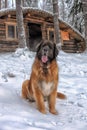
{"points": [[36, 89]]}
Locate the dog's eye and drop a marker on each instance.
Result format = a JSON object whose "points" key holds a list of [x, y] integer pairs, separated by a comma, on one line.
{"points": [[50, 46], [46, 48]]}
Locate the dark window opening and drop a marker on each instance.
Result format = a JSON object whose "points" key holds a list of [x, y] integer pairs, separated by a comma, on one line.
{"points": [[11, 31], [35, 35]]}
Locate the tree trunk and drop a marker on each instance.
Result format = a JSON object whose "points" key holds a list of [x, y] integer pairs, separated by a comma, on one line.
{"points": [[6, 4], [56, 22], [0, 4], [34, 3], [12, 3], [23, 3], [20, 24], [84, 4], [63, 13], [44, 4]]}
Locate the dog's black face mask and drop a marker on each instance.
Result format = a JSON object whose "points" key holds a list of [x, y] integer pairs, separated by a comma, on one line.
{"points": [[47, 52]]}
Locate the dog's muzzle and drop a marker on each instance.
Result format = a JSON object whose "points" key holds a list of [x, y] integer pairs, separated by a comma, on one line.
{"points": [[44, 59]]}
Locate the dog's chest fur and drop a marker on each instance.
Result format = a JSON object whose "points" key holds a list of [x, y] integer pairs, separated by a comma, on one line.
{"points": [[46, 87]]}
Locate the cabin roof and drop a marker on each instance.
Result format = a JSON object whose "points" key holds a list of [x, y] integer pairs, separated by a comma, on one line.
{"points": [[44, 14]]}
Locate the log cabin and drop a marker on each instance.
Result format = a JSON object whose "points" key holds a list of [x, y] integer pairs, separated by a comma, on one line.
{"points": [[38, 25]]}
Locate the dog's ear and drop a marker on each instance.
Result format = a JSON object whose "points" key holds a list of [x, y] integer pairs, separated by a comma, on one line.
{"points": [[56, 52]]}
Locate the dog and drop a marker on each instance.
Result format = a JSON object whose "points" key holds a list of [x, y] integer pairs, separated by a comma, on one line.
{"points": [[44, 78]]}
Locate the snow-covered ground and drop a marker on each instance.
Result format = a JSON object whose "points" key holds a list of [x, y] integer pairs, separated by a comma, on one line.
{"points": [[19, 114]]}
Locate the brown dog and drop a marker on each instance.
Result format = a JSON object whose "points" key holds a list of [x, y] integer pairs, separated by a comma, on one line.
{"points": [[44, 78]]}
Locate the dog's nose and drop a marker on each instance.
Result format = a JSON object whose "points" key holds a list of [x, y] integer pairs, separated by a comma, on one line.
{"points": [[45, 52]]}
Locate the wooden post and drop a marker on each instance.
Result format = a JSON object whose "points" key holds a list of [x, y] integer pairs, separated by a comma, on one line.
{"points": [[43, 29]]}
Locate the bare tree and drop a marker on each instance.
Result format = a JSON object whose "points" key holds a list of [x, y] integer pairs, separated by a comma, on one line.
{"points": [[84, 5], [56, 22], [20, 24], [42, 4], [62, 9], [12, 3], [6, 3], [23, 3], [75, 17], [0, 4]]}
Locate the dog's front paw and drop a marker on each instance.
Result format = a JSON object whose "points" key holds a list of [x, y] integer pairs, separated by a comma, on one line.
{"points": [[42, 111], [53, 111]]}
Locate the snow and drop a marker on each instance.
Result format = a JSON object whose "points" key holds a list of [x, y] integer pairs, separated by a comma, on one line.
{"points": [[19, 114]]}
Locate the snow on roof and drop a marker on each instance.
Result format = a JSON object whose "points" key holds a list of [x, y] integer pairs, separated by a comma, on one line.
{"points": [[40, 11], [25, 9], [75, 30]]}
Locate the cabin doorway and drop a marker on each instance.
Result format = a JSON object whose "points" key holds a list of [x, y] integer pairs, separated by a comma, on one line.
{"points": [[35, 35]]}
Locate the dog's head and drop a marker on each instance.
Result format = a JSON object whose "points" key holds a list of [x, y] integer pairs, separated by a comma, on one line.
{"points": [[47, 51]]}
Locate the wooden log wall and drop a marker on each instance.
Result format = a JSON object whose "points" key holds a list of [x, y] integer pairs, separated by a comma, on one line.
{"points": [[70, 46], [2, 31], [6, 45]]}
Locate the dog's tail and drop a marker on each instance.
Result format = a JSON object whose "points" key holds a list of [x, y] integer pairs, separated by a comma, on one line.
{"points": [[61, 95]]}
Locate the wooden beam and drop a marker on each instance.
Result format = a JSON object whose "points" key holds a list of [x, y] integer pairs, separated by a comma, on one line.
{"points": [[34, 20]]}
